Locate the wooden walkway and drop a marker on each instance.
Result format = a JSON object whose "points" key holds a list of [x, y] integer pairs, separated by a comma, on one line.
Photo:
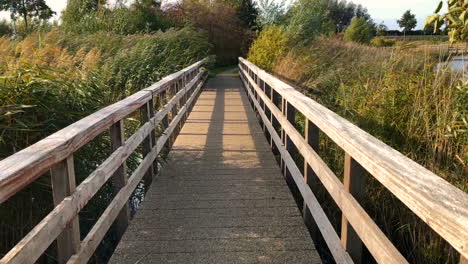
{"points": [[221, 198]]}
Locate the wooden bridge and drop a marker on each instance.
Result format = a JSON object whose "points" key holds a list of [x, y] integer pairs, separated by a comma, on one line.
{"points": [[222, 194]]}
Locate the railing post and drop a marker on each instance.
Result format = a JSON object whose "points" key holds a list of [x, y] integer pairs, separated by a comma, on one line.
{"points": [[63, 185], [148, 143], [312, 138], [463, 260], [290, 113], [354, 182], [173, 114], [119, 179]]}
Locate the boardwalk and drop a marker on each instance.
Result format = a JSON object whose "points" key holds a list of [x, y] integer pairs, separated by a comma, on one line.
{"points": [[221, 198]]}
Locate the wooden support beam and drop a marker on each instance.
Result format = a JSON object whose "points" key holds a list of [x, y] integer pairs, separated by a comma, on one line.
{"points": [[290, 113], [310, 178], [354, 182], [119, 178], [147, 142], [63, 185]]}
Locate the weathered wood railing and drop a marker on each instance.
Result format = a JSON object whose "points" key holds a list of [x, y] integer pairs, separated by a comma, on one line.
{"points": [[176, 92], [442, 206]]}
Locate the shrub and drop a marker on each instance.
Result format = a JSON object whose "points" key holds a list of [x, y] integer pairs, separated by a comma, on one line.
{"points": [[268, 47], [221, 22], [396, 96], [309, 19], [359, 31], [382, 42], [5, 28], [79, 18]]}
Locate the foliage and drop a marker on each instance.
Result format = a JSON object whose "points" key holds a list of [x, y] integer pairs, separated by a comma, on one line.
{"points": [[82, 18], [5, 28], [381, 29], [342, 12], [50, 80], [268, 47], [359, 31], [248, 13], [395, 95], [456, 19], [382, 42], [27, 9], [271, 12], [216, 19], [309, 19], [407, 21]]}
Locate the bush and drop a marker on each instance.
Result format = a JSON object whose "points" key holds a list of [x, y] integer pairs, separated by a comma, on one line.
{"points": [[382, 42], [5, 28], [79, 18], [396, 96], [359, 31], [268, 47], [309, 19], [221, 22]]}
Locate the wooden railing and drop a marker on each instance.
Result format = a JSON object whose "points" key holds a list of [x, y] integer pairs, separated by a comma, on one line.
{"points": [[175, 92], [442, 206]]}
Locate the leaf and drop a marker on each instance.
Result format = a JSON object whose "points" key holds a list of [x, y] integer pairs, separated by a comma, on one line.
{"points": [[438, 7]]}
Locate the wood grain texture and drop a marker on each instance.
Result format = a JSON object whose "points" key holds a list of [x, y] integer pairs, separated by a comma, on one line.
{"points": [[442, 206], [94, 237], [378, 244], [328, 232], [22, 168], [354, 182], [31, 247], [63, 185], [119, 179]]}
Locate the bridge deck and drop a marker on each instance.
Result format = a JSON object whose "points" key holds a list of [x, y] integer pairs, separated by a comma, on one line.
{"points": [[221, 198]]}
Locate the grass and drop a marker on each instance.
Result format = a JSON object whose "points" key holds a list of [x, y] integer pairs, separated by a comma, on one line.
{"points": [[396, 95], [50, 80]]}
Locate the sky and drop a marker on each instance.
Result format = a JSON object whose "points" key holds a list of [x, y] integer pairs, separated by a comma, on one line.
{"points": [[387, 11]]}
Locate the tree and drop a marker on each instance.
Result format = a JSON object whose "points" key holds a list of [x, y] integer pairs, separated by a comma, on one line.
{"points": [[380, 29], [27, 9], [456, 20], [5, 28], [407, 21], [271, 12], [247, 13], [359, 31], [308, 19], [341, 12]]}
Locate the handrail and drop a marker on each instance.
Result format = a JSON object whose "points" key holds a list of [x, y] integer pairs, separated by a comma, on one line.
{"points": [[20, 169], [442, 206], [56, 153]]}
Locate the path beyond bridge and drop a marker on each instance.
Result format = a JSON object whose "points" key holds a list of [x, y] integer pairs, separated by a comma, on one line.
{"points": [[221, 198]]}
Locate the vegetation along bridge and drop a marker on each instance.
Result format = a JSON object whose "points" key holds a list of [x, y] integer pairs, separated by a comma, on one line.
{"points": [[221, 194]]}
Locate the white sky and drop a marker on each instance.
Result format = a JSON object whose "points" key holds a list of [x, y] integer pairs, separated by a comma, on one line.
{"points": [[387, 11]]}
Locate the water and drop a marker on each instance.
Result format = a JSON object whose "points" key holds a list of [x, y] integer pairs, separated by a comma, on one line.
{"points": [[457, 64]]}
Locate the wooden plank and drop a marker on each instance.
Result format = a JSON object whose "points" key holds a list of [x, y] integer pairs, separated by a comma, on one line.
{"points": [[354, 182], [378, 244], [328, 232], [438, 203], [463, 260], [311, 134], [92, 240], [63, 185], [31, 247], [147, 145], [119, 179], [22, 168]]}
